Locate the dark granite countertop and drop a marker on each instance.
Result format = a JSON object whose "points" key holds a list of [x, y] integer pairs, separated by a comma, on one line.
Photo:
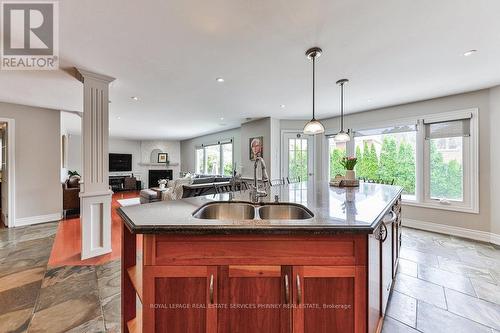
{"points": [[336, 210]]}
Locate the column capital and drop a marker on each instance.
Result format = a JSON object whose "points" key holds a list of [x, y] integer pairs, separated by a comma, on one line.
{"points": [[82, 74]]}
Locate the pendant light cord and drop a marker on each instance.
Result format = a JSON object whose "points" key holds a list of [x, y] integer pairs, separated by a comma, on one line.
{"points": [[342, 107], [314, 93]]}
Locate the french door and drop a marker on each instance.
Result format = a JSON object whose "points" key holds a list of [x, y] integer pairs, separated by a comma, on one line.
{"points": [[297, 157]]}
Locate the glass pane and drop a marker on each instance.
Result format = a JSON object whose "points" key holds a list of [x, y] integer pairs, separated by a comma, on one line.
{"points": [[336, 151], [446, 168], [212, 159], [297, 159], [387, 158], [227, 155], [199, 161]]}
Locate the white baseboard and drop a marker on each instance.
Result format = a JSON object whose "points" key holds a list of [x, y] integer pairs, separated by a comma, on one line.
{"points": [[38, 219], [483, 236]]}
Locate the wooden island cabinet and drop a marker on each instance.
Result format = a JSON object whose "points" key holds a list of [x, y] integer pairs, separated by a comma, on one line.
{"points": [[279, 283]]}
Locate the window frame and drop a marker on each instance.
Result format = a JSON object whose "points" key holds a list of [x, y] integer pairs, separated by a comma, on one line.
{"points": [[220, 171], [470, 165], [470, 203]]}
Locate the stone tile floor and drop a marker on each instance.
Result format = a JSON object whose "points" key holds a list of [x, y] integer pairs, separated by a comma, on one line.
{"points": [[444, 284]]}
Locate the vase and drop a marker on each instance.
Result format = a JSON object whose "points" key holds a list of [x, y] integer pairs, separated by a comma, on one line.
{"points": [[350, 175]]}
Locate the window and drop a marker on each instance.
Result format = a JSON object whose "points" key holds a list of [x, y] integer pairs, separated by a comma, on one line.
{"points": [[434, 158], [200, 157], [447, 156], [227, 159], [336, 151], [214, 159], [389, 155]]}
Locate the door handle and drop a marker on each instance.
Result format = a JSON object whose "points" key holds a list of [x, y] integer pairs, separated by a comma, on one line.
{"points": [[287, 290], [299, 290], [211, 289]]}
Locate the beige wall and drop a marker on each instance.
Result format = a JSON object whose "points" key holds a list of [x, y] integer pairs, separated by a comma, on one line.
{"points": [[494, 146], [37, 161], [252, 129]]}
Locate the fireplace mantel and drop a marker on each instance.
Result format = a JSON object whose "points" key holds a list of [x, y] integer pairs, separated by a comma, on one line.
{"points": [[148, 164]]}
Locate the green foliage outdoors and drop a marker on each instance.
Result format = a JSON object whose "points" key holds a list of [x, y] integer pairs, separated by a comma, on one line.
{"points": [[446, 178], [298, 163], [212, 163], [398, 162], [228, 169]]}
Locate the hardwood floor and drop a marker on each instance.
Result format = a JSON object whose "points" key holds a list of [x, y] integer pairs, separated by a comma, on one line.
{"points": [[444, 284], [67, 245]]}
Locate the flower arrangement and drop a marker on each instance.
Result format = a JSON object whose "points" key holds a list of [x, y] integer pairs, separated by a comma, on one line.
{"points": [[349, 162]]}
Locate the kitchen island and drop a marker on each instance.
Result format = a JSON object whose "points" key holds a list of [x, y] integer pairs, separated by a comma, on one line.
{"points": [[307, 258]]}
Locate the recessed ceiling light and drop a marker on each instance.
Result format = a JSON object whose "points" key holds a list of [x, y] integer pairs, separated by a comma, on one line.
{"points": [[469, 53], [219, 79], [282, 106], [369, 100], [221, 118], [135, 98], [119, 118]]}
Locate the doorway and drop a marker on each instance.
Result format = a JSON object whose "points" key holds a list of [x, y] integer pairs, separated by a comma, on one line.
{"points": [[297, 155], [7, 172]]}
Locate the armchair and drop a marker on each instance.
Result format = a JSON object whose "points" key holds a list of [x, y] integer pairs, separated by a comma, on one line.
{"points": [[71, 194]]}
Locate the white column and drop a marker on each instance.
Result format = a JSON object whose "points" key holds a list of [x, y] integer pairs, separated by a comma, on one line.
{"points": [[95, 195]]}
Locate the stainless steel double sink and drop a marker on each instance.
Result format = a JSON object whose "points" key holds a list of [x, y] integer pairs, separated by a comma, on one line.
{"points": [[248, 211]]}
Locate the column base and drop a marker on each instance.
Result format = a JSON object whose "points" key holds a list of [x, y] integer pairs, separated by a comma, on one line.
{"points": [[95, 223]]}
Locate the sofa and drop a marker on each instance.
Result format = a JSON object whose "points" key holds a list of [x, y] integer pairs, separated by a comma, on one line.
{"points": [[71, 195]]}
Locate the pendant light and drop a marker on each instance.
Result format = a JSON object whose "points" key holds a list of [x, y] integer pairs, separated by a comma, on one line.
{"points": [[313, 126], [342, 136]]}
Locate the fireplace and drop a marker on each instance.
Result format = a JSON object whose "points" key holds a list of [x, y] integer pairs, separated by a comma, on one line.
{"points": [[156, 175]]}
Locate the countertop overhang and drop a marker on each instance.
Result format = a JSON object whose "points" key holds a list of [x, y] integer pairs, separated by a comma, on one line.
{"points": [[336, 210]]}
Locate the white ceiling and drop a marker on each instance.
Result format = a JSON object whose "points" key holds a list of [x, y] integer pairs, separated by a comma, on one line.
{"points": [[168, 53]]}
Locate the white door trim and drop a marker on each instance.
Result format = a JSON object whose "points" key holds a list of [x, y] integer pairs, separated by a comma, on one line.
{"points": [[11, 168]]}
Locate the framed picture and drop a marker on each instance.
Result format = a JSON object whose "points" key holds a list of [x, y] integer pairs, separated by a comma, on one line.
{"points": [[256, 146], [162, 157]]}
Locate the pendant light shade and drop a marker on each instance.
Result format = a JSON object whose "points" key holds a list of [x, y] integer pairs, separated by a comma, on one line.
{"points": [[342, 136], [313, 126]]}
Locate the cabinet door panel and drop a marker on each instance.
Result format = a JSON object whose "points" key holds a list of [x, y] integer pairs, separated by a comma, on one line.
{"points": [[329, 299], [374, 281], [387, 266], [184, 298], [253, 298]]}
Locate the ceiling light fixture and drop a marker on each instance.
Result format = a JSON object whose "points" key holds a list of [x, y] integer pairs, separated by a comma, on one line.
{"points": [[342, 136], [282, 106], [469, 53], [219, 79], [135, 98], [313, 126]]}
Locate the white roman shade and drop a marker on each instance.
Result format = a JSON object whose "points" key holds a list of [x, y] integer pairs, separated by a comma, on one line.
{"points": [[447, 129]]}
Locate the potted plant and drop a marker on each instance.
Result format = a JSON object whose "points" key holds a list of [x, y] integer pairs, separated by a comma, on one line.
{"points": [[349, 163]]}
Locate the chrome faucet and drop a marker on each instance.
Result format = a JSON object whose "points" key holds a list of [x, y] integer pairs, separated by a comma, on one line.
{"points": [[256, 192]]}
